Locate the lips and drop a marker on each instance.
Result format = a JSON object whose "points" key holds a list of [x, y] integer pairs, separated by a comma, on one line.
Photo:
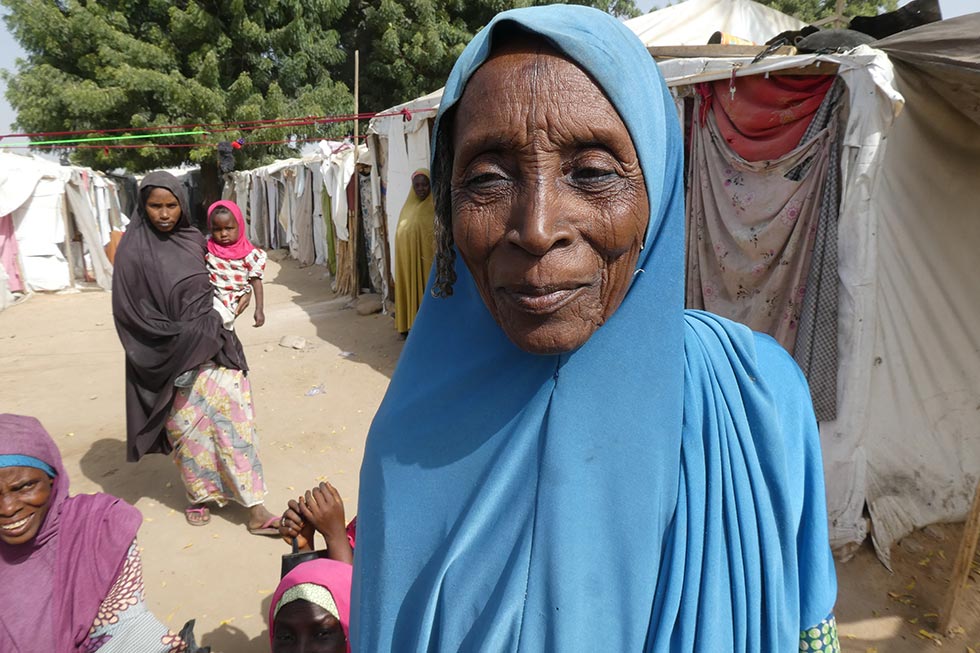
{"points": [[16, 528], [541, 300]]}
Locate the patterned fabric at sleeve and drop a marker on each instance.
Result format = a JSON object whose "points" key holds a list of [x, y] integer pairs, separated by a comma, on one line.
{"points": [[821, 638], [124, 623], [255, 263]]}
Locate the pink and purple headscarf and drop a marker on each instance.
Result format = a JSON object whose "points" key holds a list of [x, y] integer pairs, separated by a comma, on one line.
{"points": [[62, 576]]}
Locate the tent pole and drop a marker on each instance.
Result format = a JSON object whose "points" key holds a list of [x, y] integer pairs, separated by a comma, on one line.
{"points": [[357, 177], [962, 566]]}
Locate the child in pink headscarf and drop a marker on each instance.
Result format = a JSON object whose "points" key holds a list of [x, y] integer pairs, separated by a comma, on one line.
{"points": [[235, 265]]}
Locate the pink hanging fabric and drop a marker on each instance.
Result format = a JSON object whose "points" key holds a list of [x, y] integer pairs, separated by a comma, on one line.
{"points": [[765, 119], [8, 254]]}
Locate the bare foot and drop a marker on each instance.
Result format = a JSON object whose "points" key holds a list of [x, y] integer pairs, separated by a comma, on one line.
{"points": [[261, 520]]}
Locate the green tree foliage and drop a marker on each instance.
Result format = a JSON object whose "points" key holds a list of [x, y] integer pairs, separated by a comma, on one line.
{"points": [[813, 10], [136, 63]]}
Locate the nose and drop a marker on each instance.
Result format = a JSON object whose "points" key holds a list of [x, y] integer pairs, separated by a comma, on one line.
{"points": [[8, 506], [540, 219]]}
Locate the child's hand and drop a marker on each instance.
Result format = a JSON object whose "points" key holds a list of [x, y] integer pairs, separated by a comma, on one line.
{"points": [[259, 318], [324, 509], [293, 525], [243, 303]]}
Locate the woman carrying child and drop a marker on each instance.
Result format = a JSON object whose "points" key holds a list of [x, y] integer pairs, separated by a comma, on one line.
{"points": [[235, 266], [187, 389]]}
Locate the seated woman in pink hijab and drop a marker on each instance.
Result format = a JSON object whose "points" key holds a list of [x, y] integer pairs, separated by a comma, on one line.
{"points": [[71, 580]]}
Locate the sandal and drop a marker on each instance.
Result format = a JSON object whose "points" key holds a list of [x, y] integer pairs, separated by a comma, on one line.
{"points": [[197, 515], [269, 527]]}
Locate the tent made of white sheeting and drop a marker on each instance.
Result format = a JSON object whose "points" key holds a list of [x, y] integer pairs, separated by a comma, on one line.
{"points": [[40, 195], [694, 21]]}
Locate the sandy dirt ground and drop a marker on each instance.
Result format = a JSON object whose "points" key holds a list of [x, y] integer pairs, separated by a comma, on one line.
{"points": [[60, 360]]}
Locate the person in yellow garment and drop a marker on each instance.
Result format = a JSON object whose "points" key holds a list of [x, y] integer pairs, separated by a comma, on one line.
{"points": [[414, 251]]}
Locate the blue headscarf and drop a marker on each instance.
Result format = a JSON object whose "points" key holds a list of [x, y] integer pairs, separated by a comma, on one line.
{"points": [[644, 492]]}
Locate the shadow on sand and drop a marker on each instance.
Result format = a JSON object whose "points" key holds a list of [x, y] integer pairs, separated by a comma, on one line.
{"points": [[371, 339], [228, 638], [154, 477]]}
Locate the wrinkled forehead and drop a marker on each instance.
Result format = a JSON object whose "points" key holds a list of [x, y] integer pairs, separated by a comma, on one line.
{"points": [[529, 71], [538, 96]]}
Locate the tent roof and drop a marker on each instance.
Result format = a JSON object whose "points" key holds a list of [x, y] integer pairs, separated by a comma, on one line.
{"points": [[20, 174], [426, 106], [694, 21]]}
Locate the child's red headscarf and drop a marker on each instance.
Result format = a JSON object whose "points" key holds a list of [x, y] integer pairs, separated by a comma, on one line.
{"points": [[241, 247]]}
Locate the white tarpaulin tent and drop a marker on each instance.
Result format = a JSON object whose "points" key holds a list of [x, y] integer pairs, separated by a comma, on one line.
{"points": [[38, 195], [909, 443], [693, 22]]}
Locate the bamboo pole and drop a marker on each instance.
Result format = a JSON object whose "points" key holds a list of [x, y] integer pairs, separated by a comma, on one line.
{"points": [[357, 177], [961, 568]]}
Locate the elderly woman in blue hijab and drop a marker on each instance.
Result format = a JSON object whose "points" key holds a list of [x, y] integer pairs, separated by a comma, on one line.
{"points": [[566, 460]]}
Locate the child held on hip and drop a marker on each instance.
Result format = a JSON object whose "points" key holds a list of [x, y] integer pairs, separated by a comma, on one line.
{"points": [[235, 266]]}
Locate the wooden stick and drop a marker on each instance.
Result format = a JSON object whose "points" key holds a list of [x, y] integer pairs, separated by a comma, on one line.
{"points": [[961, 568], [357, 178]]}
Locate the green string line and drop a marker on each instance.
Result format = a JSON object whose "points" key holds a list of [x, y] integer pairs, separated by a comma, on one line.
{"points": [[106, 138]]}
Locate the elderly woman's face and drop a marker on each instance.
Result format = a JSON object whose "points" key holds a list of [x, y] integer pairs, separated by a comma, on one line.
{"points": [[25, 496], [548, 199]]}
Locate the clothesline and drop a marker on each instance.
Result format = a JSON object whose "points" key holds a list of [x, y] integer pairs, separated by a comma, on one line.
{"points": [[167, 146], [234, 125]]}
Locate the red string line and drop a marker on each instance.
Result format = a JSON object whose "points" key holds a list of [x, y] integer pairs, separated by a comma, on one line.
{"points": [[168, 146], [233, 125]]}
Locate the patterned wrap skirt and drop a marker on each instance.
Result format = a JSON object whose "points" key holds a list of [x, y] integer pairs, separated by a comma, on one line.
{"points": [[212, 430]]}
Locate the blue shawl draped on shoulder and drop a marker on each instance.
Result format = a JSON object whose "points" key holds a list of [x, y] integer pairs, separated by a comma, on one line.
{"points": [[658, 489]]}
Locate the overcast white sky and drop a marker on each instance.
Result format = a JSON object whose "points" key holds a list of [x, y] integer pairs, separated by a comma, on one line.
{"points": [[10, 50]]}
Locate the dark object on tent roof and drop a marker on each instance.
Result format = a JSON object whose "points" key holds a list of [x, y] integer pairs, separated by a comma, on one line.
{"points": [[226, 157], [792, 37], [914, 14], [721, 38], [833, 40]]}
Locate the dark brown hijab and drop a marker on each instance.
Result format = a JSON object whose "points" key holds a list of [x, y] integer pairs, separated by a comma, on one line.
{"points": [[162, 306]]}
